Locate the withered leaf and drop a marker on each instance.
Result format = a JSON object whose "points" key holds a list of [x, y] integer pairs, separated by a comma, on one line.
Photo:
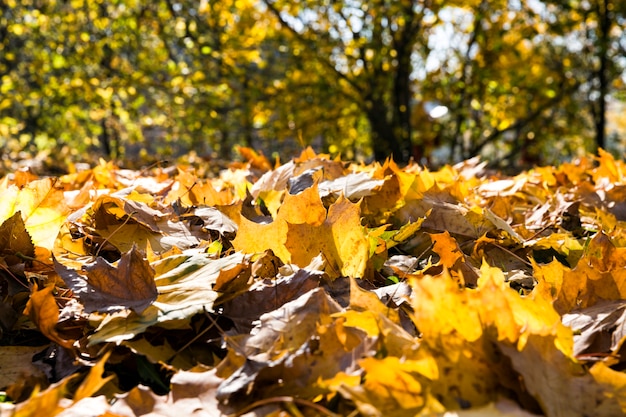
{"points": [[15, 240], [352, 186], [44, 312], [184, 291], [298, 323], [300, 342], [263, 297], [267, 265], [192, 393], [599, 329], [214, 219], [108, 288], [16, 362]]}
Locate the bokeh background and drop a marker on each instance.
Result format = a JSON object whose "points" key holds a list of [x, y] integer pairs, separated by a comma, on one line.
{"points": [[517, 82]]}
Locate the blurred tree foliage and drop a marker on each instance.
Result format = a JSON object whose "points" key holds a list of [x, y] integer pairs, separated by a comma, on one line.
{"points": [[522, 81]]}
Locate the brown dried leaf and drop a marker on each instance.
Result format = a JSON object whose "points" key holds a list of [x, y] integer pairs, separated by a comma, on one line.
{"points": [[295, 346], [16, 364], [192, 393], [599, 329], [44, 312], [267, 265], [15, 240], [109, 288], [263, 297]]}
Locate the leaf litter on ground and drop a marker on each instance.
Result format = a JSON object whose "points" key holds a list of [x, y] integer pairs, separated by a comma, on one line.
{"points": [[314, 287]]}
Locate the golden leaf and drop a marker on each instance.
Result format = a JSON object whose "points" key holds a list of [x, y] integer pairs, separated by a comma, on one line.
{"points": [[254, 237], [43, 209], [340, 239], [303, 208]]}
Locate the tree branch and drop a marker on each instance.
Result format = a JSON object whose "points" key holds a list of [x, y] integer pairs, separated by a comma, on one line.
{"points": [[310, 44]]}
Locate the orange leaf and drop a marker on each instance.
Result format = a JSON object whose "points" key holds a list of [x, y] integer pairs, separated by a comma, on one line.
{"points": [[94, 381], [256, 159], [43, 311], [191, 191], [447, 248]]}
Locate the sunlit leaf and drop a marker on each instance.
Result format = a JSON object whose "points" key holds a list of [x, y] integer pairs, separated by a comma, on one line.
{"points": [[43, 209], [340, 239], [183, 291]]}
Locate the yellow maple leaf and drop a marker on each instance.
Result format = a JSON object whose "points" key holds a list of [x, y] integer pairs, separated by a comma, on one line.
{"points": [[363, 300], [557, 283], [599, 274], [302, 231], [43, 208], [464, 329], [191, 191], [304, 207], [340, 239], [255, 237], [390, 379], [444, 308]]}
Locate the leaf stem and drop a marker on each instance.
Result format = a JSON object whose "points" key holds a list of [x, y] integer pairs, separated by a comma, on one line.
{"points": [[289, 402]]}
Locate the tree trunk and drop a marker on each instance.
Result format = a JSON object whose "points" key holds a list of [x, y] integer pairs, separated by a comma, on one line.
{"points": [[105, 139], [401, 116], [385, 143], [604, 19], [246, 113]]}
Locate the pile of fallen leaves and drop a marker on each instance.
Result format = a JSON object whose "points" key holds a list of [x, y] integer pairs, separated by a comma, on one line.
{"points": [[315, 287]]}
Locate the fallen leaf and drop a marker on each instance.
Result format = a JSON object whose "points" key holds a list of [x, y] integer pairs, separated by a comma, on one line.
{"points": [[183, 291], [301, 342], [352, 186], [213, 219], [452, 258], [600, 274], [501, 408], [15, 242], [90, 406], [94, 380], [340, 239], [16, 363], [263, 297], [43, 208], [363, 300], [43, 311], [255, 237], [303, 208], [599, 329], [267, 265], [392, 387], [109, 288], [48, 401], [191, 191]]}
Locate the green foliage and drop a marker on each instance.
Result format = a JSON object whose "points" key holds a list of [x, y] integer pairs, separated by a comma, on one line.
{"points": [[526, 82]]}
